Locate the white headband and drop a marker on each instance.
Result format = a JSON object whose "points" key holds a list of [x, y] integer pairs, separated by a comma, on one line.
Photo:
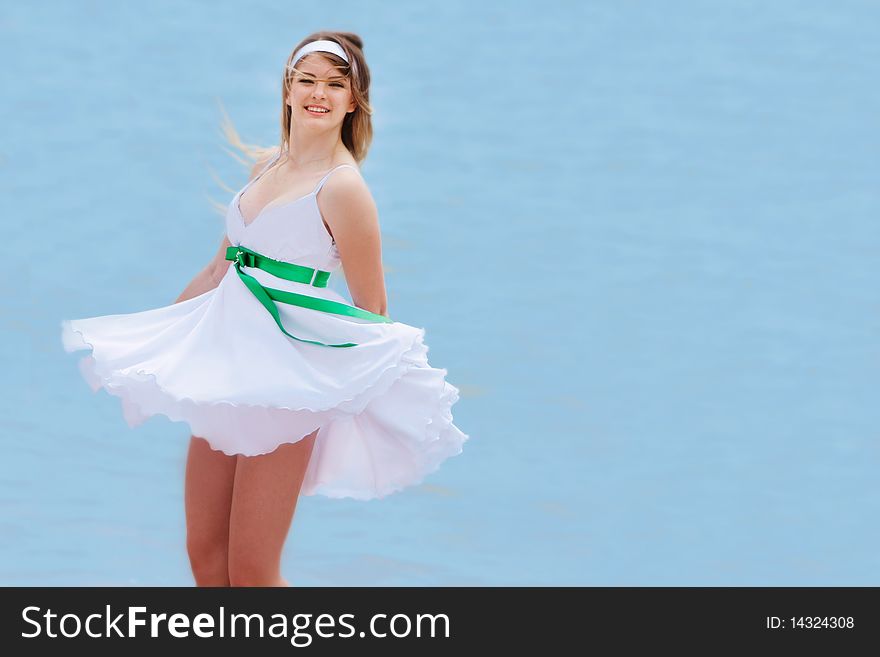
{"points": [[322, 45]]}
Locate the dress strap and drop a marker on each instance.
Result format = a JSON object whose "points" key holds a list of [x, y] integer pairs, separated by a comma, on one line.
{"points": [[263, 170], [324, 179]]}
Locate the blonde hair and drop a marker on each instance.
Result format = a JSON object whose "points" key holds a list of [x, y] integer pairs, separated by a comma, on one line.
{"points": [[357, 126]]}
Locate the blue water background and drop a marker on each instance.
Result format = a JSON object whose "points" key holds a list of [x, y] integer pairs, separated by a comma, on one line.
{"points": [[643, 238]]}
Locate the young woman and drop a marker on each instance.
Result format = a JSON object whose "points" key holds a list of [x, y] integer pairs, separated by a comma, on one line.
{"points": [[286, 388]]}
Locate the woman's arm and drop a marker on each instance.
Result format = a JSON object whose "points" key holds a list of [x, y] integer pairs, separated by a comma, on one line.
{"points": [[350, 211], [210, 276]]}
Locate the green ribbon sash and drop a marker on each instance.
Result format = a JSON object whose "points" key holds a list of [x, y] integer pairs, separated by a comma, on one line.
{"points": [[244, 257]]}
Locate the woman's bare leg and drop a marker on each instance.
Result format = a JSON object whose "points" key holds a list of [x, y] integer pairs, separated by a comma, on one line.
{"points": [[263, 504], [210, 476]]}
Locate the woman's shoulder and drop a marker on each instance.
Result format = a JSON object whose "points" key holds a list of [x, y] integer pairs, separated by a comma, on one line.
{"points": [[347, 164], [345, 189], [270, 153], [263, 157], [345, 177]]}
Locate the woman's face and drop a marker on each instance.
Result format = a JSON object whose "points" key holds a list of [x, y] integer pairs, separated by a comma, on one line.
{"points": [[319, 84]]}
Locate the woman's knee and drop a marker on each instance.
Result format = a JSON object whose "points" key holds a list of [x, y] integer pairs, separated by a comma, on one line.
{"points": [[248, 571], [209, 560]]}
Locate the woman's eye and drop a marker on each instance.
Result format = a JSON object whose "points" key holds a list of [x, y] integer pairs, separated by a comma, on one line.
{"points": [[335, 84]]}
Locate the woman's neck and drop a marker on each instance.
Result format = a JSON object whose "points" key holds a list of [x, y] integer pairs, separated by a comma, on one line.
{"points": [[312, 154]]}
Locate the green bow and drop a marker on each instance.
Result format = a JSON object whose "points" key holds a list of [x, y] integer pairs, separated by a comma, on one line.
{"points": [[243, 257]]}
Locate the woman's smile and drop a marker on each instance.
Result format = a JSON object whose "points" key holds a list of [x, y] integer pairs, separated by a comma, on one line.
{"points": [[317, 112]]}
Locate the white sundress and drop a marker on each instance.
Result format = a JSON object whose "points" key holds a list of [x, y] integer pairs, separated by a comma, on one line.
{"points": [[219, 363]]}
